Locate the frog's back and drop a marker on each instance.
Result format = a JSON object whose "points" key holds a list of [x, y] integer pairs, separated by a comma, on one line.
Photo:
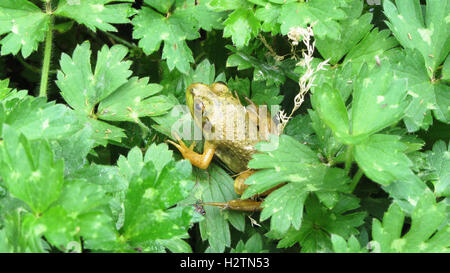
{"points": [[235, 144], [235, 154], [234, 129]]}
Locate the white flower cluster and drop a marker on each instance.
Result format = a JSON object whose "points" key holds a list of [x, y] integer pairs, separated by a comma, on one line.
{"points": [[306, 81]]}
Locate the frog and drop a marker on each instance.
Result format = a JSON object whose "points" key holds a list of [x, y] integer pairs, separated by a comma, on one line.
{"points": [[231, 131]]}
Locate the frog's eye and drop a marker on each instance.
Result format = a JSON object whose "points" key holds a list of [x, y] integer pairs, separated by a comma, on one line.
{"points": [[199, 106]]}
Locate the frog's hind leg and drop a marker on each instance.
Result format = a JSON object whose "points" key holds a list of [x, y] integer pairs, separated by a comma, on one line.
{"points": [[201, 161], [250, 205], [239, 181], [238, 204], [240, 186]]}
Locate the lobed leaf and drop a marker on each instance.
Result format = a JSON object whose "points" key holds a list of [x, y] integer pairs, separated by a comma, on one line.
{"points": [[25, 25], [426, 233], [96, 14], [427, 32]]}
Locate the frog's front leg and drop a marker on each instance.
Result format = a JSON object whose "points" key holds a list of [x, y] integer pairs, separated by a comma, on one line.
{"points": [[201, 161]]}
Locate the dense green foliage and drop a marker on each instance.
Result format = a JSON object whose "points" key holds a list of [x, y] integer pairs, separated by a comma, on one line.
{"points": [[89, 92]]}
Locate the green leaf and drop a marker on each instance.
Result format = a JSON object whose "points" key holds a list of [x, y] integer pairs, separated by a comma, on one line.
{"points": [[172, 82], [327, 143], [222, 5], [148, 215], [132, 165], [80, 212], [383, 159], [81, 88], [351, 35], [240, 86], [241, 26], [379, 100], [263, 94], [253, 245], [446, 70], [420, 88], [442, 92], [375, 44], [179, 118], [439, 161], [262, 70], [207, 18], [406, 192], [319, 222], [340, 78], [282, 157], [133, 100], [16, 236], [48, 120], [340, 245], [152, 28], [427, 32], [159, 154], [290, 162], [86, 200], [161, 6], [4, 89], [10, 98], [121, 99], [328, 103], [324, 13], [74, 149], [96, 14], [282, 1], [426, 233], [102, 131], [176, 245], [285, 207], [205, 72], [29, 170], [156, 184], [299, 127], [268, 15], [215, 186], [25, 25]]}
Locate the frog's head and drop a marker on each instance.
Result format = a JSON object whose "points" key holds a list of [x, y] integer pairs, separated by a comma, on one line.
{"points": [[203, 100]]}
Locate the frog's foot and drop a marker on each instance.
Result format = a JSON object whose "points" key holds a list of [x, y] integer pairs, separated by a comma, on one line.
{"points": [[199, 160], [238, 204]]}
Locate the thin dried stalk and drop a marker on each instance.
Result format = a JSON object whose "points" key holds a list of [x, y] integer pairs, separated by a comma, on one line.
{"points": [[306, 81]]}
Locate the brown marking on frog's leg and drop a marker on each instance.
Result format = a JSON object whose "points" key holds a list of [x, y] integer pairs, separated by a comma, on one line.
{"points": [[201, 161], [239, 182], [238, 204]]}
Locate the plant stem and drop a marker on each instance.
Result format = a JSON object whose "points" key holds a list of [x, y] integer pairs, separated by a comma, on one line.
{"points": [[120, 40], [47, 52], [356, 179], [348, 159], [32, 67]]}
